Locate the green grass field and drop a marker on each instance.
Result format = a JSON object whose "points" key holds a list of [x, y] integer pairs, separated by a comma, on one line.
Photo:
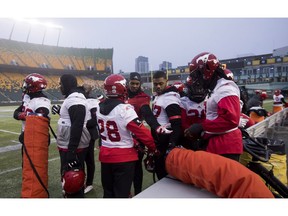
{"points": [[10, 160]]}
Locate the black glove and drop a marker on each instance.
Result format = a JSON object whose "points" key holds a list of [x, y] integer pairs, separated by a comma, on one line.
{"points": [[155, 152], [72, 160], [21, 138], [56, 109], [194, 131], [139, 146]]}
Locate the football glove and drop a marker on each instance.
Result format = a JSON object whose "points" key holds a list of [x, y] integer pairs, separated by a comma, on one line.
{"points": [[194, 131], [22, 116], [243, 122], [72, 160], [163, 129], [155, 152], [56, 109]]}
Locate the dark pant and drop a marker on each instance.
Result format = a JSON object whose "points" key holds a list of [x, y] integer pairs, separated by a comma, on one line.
{"points": [[138, 176], [117, 179], [90, 163], [162, 142], [81, 155]]}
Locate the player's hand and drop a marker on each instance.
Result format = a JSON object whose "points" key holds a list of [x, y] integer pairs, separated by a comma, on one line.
{"points": [[22, 116], [155, 152], [194, 131], [72, 160], [242, 122], [163, 129]]}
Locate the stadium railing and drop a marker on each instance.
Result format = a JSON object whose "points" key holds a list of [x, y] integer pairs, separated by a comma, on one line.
{"points": [[274, 121]]}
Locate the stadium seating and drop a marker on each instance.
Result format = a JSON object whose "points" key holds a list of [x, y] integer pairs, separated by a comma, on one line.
{"points": [[18, 59]]}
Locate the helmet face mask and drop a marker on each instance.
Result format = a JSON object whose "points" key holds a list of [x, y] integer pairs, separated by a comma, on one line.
{"points": [[195, 87], [115, 86], [34, 83]]}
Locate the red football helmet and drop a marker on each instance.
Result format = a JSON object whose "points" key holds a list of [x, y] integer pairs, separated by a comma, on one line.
{"points": [[34, 83], [115, 86], [205, 62], [277, 92], [73, 180], [179, 85], [258, 91], [229, 74], [263, 95]]}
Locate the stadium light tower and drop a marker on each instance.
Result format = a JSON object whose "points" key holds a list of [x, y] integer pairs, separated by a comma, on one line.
{"points": [[32, 22], [12, 31], [51, 25], [59, 36]]}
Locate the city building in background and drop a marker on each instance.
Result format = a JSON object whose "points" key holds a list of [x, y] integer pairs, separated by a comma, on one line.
{"points": [[142, 64], [165, 65]]}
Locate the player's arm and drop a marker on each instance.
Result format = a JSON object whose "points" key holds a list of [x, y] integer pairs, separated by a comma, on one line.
{"points": [[18, 114], [42, 110], [149, 116], [77, 116], [142, 133], [283, 101], [93, 121], [228, 116], [174, 114]]}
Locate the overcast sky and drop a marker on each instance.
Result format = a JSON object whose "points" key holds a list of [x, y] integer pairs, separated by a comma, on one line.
{"points": [[175, 39]]}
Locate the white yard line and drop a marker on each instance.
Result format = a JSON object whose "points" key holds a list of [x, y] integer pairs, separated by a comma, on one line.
{"points": [[10, 148], [17, 146], [19, 168], [11, 132]]}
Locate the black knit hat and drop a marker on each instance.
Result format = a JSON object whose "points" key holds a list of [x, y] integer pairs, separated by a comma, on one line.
{"points": [[68, 83], [135, 76]]}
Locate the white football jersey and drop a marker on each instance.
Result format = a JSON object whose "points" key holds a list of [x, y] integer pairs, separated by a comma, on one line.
{"points": [[192, 108], [64, 122], [31, 105], [91, 103], [277, 100], [223, 88], [113, 127], [160, 103]]}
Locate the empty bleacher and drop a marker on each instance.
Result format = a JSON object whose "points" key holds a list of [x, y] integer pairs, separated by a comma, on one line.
{"points": [[44, 56], [18, 59]]}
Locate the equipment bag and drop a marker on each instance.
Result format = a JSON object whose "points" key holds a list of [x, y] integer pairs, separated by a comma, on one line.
{"points": [[222, 176], [35, 158]]}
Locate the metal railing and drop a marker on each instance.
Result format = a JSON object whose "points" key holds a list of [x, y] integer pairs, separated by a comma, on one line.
{"points": [[261, 129]]}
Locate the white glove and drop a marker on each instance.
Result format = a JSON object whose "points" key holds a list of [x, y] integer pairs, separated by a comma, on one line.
{"points": [[163, 129], [242, 122]]}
